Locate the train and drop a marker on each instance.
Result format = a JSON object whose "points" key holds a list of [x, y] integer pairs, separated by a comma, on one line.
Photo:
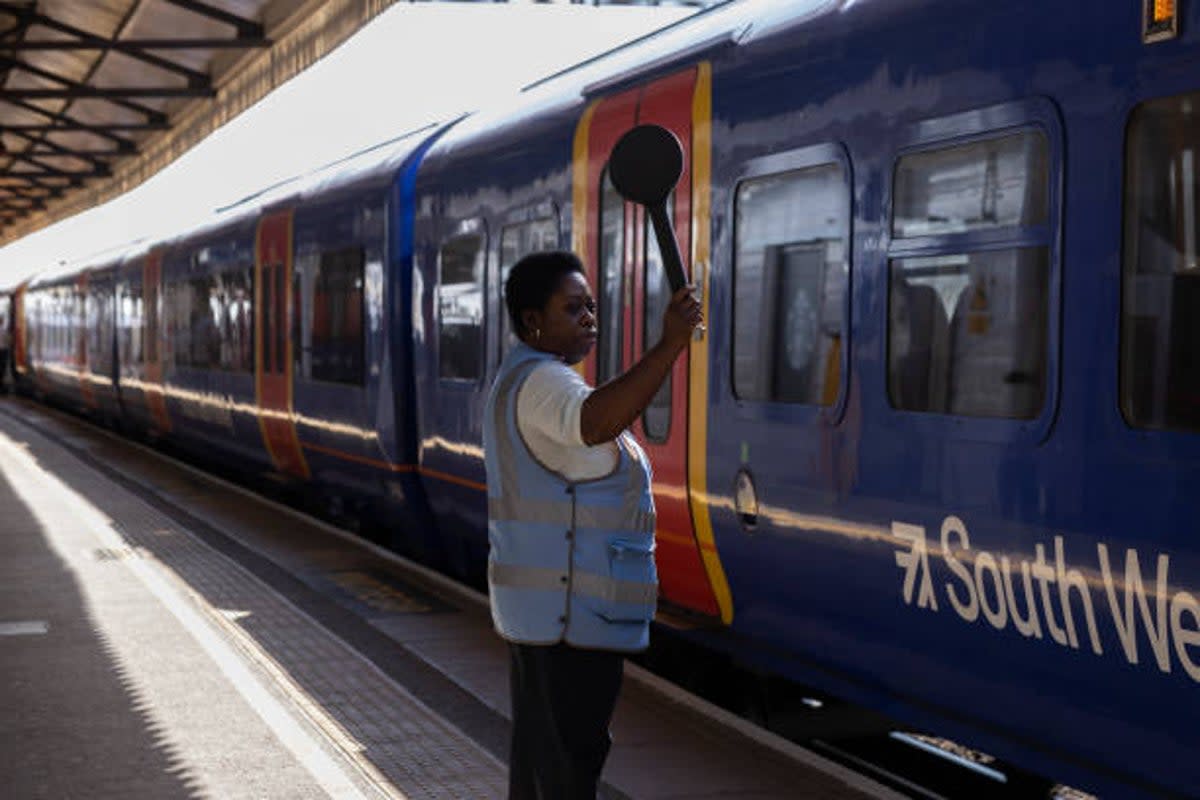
{"points": [[937, 451]]}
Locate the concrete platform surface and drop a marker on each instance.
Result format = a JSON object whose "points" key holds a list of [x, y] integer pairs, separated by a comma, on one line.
{"points": [[166, 635]]}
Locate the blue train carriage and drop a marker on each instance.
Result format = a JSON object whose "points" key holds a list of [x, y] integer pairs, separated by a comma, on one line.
{"points": [[353, 395], [283, 336], [490, 190], [955, 467], [957, 412]]}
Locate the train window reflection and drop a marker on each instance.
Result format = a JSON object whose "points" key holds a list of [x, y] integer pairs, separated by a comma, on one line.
{"points": [[1160, 304], [611, 301], [235, 298], [790, 280], [994, 183], [335, 349], [967, 333], [516, 242], [98, 328], [460, 307], [194, 333], [968, 318], [656, 421], [129, 325]]}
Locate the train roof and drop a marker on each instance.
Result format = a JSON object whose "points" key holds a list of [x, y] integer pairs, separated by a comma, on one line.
{"points": [[67, 270], [728, 24], [366, 168], [371, 167]]}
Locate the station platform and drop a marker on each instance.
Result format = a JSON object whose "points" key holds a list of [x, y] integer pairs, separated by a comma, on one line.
{"points": [[164, 634]]}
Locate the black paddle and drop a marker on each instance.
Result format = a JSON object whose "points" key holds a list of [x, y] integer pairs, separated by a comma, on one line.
{"points": [[644, 166]]}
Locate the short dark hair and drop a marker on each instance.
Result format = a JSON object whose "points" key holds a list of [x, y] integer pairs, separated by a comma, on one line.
{"points": [[533, 279]]}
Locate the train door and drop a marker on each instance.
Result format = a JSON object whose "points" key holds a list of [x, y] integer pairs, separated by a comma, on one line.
{"points": [[152, 341], [83, 321], [626, 270], [20, 356], [452, 426], [273, 344]]}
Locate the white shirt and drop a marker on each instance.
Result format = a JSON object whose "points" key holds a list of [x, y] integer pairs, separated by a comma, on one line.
{"points": [[549, 404]]}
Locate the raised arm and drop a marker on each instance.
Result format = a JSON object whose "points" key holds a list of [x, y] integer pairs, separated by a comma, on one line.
{"points": [[613, 407]]}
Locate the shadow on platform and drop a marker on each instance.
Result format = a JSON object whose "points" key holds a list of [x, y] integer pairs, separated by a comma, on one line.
{"points": [[75, 724]]}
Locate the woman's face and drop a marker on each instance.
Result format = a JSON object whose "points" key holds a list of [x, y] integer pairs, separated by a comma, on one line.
{"points": [[568, 321]]}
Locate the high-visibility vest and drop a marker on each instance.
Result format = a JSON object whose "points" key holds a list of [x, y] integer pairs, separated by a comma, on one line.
{"points": [[570, 561]]}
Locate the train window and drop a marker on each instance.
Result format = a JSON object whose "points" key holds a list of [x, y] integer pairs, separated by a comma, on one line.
{"points": [[656, 420], [179, 336], [337, 343], [233, 301], [612, 282], [460, 307], [790, 280], [1160, 303], [194, 325], [968, 315], [129, 326], [150, 320], [516, 242], [994, 183], [99, 330], [206, 323]]}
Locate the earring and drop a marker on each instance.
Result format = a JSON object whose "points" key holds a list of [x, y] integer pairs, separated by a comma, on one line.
{"points": [[537, 334]]}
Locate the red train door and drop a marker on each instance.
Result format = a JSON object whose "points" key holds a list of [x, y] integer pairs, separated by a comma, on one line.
{"points": [[153, 342], [673, 430], [273, 344]]}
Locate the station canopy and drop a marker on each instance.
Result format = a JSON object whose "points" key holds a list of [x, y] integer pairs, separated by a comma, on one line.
{"points": [[96, 96], [99, 95]]}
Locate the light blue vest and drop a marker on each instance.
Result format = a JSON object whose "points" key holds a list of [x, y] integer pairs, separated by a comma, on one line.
{"points": [[570, 561]]}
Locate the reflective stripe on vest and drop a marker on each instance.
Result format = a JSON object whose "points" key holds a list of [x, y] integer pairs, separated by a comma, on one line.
{"points": [[599, 586], [515, 509]]}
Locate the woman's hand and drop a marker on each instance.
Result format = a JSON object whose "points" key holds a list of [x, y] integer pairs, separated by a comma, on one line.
{"points": [[614, 406], [682, 316]]}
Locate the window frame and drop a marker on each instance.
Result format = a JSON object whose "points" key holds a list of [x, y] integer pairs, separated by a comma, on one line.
{"points": [[991, 122], [1145, 444], [1161, 434], [796, 160]]}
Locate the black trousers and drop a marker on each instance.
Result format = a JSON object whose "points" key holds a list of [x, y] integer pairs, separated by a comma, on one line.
{"points": [[562, 701]]}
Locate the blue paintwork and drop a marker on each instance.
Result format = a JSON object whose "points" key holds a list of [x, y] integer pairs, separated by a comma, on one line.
{"points": [[817, 586]]}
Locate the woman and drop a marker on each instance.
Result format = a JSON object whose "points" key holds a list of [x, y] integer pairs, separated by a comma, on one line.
{"points": [[570, 521]]}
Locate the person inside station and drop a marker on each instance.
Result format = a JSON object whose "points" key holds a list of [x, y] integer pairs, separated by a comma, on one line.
{"points": [[570, 522]]}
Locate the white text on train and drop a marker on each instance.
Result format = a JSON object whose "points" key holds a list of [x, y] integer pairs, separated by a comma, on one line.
{"points": [[1044, 596]]}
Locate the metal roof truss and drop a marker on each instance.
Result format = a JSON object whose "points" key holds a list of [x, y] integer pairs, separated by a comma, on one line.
{"points": [[81, 84]]}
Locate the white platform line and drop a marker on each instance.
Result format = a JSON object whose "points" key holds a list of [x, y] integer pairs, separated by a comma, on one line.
{"points": [[30, 628]]}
